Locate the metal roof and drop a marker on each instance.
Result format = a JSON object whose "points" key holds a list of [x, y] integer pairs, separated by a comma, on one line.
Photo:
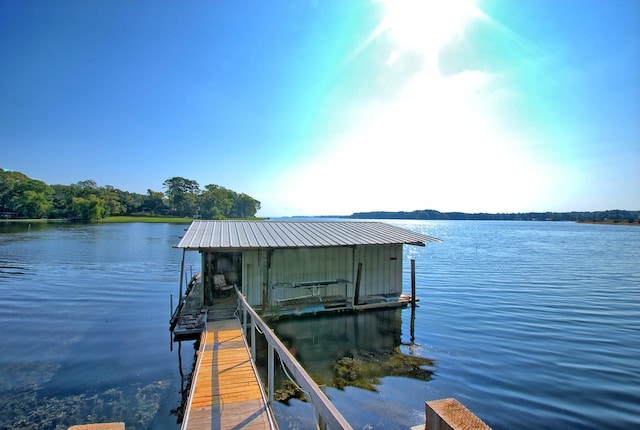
{"points": [[295, 234]]}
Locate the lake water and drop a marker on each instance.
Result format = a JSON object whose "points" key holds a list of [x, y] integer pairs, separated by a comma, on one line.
{"points": [[85, 311], [528, 324]]}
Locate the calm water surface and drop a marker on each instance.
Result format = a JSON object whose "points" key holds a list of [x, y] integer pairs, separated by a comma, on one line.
{"points": [[530, 325], [84, 314]]}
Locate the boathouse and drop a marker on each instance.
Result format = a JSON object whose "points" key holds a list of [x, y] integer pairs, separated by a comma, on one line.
{"points": [[301, 266]]}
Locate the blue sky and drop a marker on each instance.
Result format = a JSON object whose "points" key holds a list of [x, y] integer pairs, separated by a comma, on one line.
{"points": [[331, 107]]}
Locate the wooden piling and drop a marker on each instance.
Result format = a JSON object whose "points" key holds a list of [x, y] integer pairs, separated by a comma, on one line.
{"points": [[413, 282], [356, 292], [184, 251], [412, 323]]}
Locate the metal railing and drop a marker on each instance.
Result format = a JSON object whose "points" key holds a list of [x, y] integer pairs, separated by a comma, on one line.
{"points": [[326, 413]]}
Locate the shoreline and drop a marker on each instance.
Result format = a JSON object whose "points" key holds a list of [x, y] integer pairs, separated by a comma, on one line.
{"points": [[610, 222], [110, 220], [179, 220]]}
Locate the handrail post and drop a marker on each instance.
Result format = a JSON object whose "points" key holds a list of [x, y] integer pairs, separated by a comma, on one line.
{"points": [[253, 339], [244, 319], [321, 424], [270, 364]]}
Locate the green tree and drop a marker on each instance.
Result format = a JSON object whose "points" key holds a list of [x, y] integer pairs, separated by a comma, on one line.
{"points": [[215, 202], [31, 204], [88, 209], [113, 203], [244, 206], [62, 201], [108, 201], [88, 185], [132, 202], [86, 200], [8, 182], [154, 202], [182, 194], [30, 198]]}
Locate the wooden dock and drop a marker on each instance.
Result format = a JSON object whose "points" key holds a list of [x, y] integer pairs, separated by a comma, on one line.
{"points": [[226, 392]]}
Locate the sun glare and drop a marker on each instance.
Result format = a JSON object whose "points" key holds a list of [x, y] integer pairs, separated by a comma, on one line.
{"points": [[425, 26], [436, 130]]}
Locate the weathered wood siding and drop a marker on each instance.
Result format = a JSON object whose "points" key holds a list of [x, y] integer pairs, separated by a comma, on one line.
{"points": [[381, 269], [309, 265], [254, 264], [262, 269]]}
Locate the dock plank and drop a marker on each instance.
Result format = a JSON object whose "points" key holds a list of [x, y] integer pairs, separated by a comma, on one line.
{"points": [[226, 393]]}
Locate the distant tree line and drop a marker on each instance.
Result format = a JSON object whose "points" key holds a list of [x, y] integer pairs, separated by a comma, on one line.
{"points": [[429, 214], [23, 197]]}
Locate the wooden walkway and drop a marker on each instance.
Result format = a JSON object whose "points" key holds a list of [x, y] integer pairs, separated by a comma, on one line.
{"points": [[225, 392]]}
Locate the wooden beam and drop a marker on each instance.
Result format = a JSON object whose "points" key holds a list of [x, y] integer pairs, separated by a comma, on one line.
{"points": [[103, 426]]}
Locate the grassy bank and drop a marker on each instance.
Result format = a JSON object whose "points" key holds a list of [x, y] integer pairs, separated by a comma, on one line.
{"points": [[114, 219], [33, 220], [173, 220], [110, 219]]}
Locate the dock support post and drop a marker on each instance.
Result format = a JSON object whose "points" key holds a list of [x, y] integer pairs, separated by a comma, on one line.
{"points": [[356, 293], [413, 301], [270, 370], [413, 282], [181, 274], [412, 328]]}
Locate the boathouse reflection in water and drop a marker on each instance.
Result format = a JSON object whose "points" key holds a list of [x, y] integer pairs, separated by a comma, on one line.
{"points": [[349, 349], [337, 350]]}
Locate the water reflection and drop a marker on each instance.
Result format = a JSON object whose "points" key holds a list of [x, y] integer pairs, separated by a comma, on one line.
{"points": [[185, 380], [355, 349], [338, 351]]}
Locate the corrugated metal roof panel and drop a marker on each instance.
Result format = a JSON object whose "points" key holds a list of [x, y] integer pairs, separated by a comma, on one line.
{"points": [[295, 234]]}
